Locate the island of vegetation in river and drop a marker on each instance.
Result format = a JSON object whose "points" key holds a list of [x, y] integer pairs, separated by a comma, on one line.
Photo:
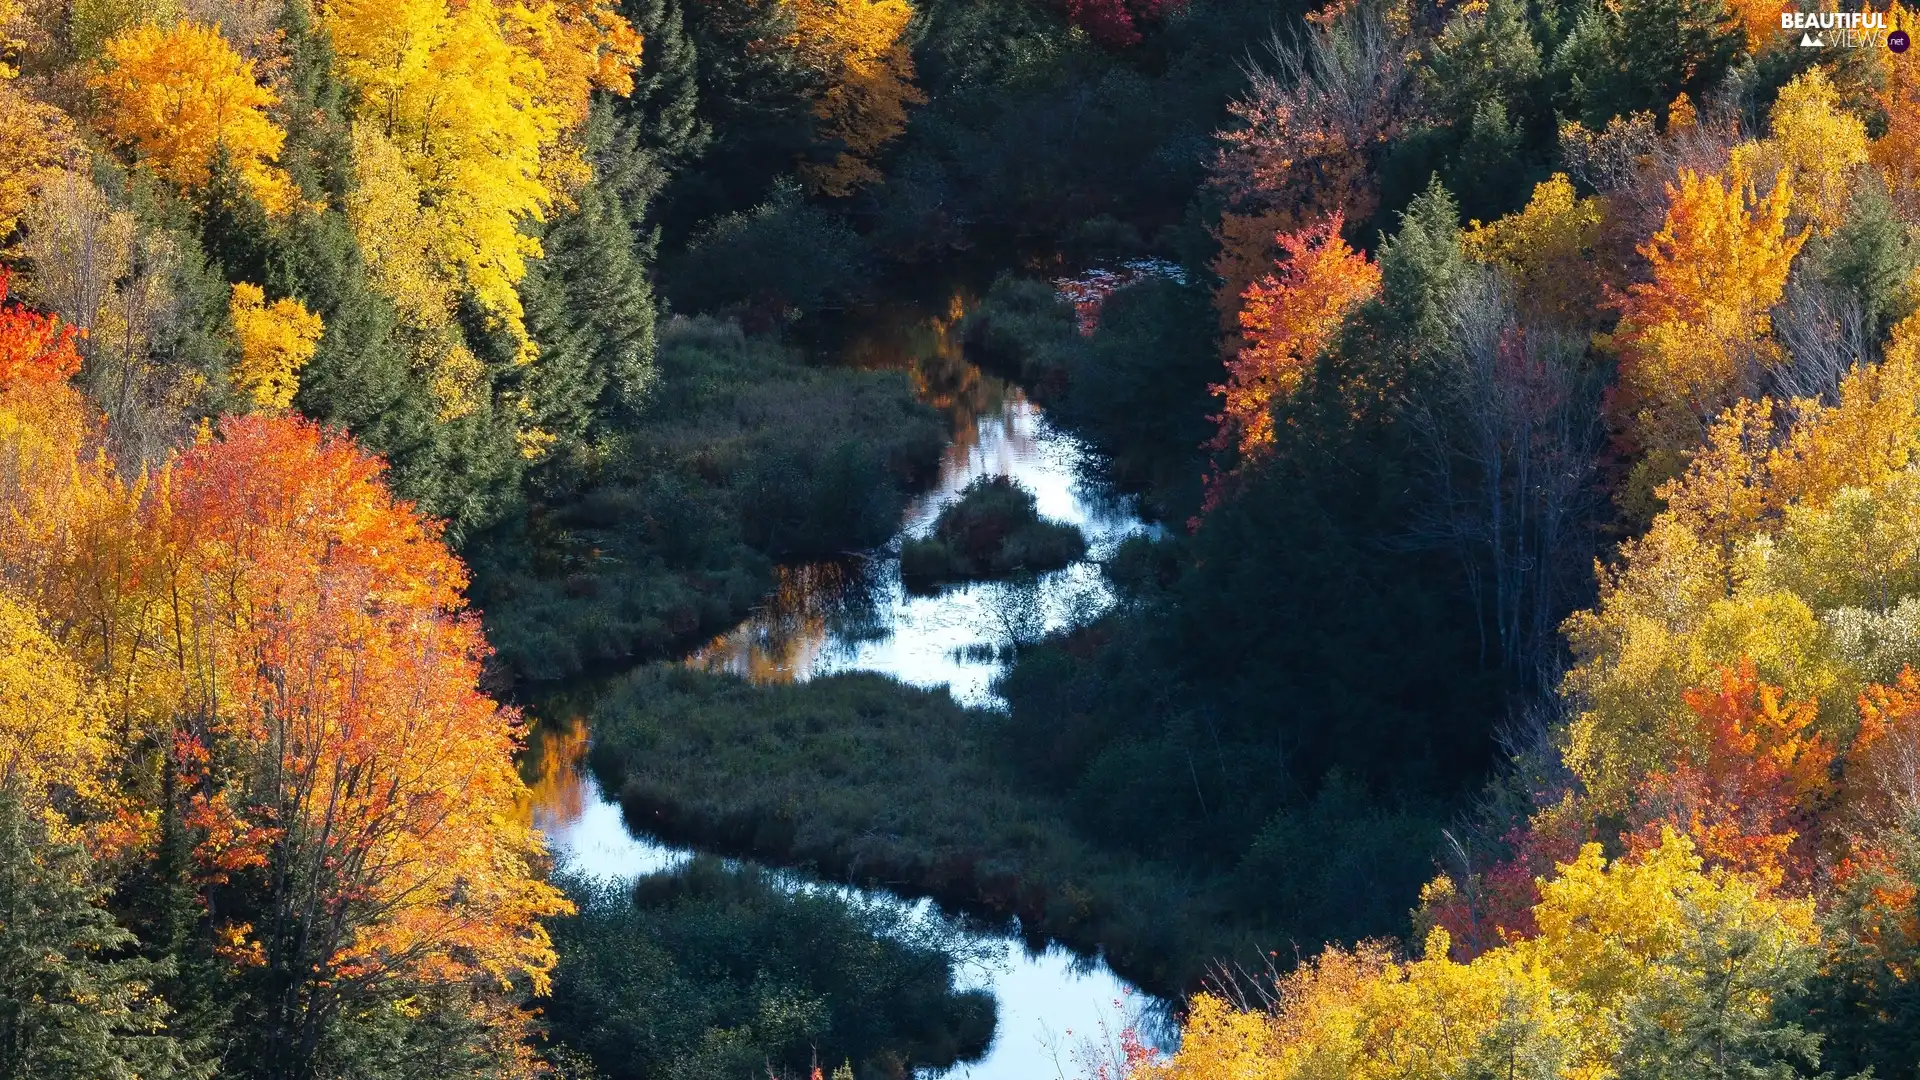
{"points": [[1518, 679]]}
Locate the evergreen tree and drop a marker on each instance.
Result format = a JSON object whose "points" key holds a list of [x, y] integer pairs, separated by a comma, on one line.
{"points": [[590, 306], [663, 109], [1421, 268], [1639, 55], [72, 1007]]}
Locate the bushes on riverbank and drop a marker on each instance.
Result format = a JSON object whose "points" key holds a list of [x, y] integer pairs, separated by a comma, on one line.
{"points": [[860, 777], [742, 456], [709, 972], [1136, 389], [993, 530]]}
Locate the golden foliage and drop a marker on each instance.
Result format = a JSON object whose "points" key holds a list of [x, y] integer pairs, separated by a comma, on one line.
{"points": [[860, 47], [477, 99], [276, 341], [1618, 940], [36, 142], [1547, 249], [1693, 339], [181, 96], [1817, 142], [1779, 545], [1897, 153]]}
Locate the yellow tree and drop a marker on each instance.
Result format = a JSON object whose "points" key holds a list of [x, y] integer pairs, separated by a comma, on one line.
{"points": [[1693, 339], [478, 98], [180, 97], [860, 47], [1631, 962], [276, 341], [1818, 142], [1547, 249]]}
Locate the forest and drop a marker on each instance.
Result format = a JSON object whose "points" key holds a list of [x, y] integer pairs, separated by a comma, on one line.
{"points": [[1387, 530]]}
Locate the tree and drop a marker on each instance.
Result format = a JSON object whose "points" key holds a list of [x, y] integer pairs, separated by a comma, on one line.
{"points": [[71, 1008], [476, 99], [181, 96], [1287, 318], [1640, 55], [1896, 154], [860, 50], [1744, 784], [380, 778], [1547, 250], [1308, 138], [36, 141], [276, 341], [1649, 966], [1820, 145], [1697, 336]]}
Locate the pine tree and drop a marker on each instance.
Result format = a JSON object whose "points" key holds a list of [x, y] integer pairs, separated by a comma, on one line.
{"points": [[70, 1008]]}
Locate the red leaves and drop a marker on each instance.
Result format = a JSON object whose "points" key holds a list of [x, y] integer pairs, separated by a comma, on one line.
{"points": [[34, 349], [1117, 23]]}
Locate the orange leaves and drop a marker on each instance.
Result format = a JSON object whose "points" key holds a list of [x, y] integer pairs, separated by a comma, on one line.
{"points": [[861, 48], [1286, 319], [1883, 764], [34, 349], [181, 97], [1692, 340], [332, 613], [1746, 783]]}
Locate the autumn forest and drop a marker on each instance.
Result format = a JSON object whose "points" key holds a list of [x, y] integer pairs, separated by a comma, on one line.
{"points": [[1376, 538]]}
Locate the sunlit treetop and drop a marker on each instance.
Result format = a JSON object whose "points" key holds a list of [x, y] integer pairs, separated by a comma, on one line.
{"points": [[181, 97]]}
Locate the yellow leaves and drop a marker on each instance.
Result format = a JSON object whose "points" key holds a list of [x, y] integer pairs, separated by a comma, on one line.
{"points": [[860, 47], [1817, 142], [180, 97], [1615, 940], [475, 101], [52, 732], [1693, 338], [276, 341], [37, 141], [1547, 248]]}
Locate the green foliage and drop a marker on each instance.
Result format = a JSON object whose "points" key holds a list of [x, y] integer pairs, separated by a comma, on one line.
{"points": [[740, 456], [1421, 268], [1870, 258], [862, 778], [73, 1005], [1639, 55], [782, 260], [710, 972], [589, 304], [992, 530]]}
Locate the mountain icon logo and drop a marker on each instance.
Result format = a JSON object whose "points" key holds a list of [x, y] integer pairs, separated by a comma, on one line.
{"points": [[1808, 41]]}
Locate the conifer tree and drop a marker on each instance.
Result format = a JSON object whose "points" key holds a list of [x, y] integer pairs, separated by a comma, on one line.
{"points": [[70, 1007]]}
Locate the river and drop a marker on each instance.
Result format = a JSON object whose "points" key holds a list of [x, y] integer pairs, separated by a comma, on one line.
{"points": [[856, 616]]}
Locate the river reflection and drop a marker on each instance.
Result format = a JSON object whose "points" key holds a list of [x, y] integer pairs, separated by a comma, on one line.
{"points": [[854, 615]]}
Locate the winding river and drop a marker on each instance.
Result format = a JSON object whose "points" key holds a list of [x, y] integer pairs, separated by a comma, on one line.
{"points": [[855, 616]]}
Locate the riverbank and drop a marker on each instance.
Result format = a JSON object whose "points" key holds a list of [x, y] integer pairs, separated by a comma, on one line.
{"points": [[743, 456], [859, 778]]}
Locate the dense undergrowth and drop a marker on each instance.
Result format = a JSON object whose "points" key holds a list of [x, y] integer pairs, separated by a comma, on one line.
{"points": [[860, 778], [743, 456], [707, 972]]}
